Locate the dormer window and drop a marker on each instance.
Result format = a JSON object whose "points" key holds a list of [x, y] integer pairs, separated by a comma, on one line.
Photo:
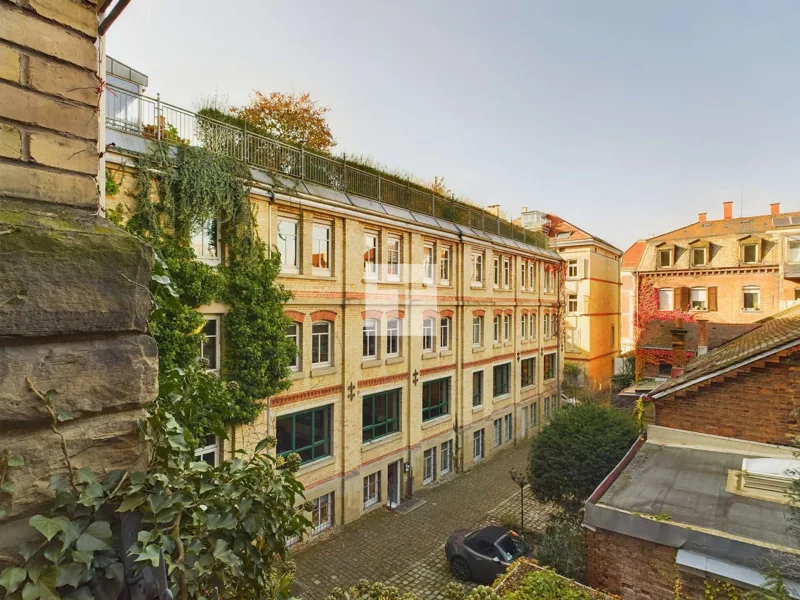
{"points": [[750, 253], [699, 257], [666, 257]]}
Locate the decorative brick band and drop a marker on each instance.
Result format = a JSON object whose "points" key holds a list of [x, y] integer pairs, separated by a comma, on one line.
{"points": [[440, 369], [446, 313], [371, 314], [430, 314], [523, 311], [323, 315], [529, 352], [486, 361], [509, 311], [396, 314], [307, 395], [295, 316], [365, 383], [497, 312], [479, 312]]}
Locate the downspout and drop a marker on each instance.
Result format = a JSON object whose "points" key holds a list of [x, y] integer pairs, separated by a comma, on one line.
{"points": [[269, 253]]}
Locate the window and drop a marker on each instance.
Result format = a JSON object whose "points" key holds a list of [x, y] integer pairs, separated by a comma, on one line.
{"points": [[506, 273], [370, 255], [546, 409], [549, 366], [287, 244], [435, 398], [699, 299], [665, 258], [665, 299], [477, 331], [209, 347], [444, 266], [496, 271], [321, 344], [496, 329], [750, 253], [523, 422], [393, 337], [699, 256], [572, 269], [477, 445], [308, 433], [532, 278], [380, 415], [393, 268], [501, 377], [522, 274], [507, 427], [524, 328], [444, 333], [477, 267], [209, 452], [446, 458], [533, 325], [372, 489], [546, 325], [428, 326], [427, 262], [498, 432], [794, 252], [369, 339], [429, 466], [664, 369], [752, 298], [477, 388], [572, 303], [613, 336], [528, 372], [321, 248], [534, 414], [506, 327], [322, 514], [293, 333], [205, 241]]}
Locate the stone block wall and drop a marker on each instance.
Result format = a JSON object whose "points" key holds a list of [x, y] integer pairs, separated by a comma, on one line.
{"points": [[73, 288]]}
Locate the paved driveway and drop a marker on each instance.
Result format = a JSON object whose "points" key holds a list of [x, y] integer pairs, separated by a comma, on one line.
{"points": [[407, 550]]}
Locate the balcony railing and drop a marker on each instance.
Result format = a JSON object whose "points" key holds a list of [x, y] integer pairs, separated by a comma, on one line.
{"points": [[152, 118]]}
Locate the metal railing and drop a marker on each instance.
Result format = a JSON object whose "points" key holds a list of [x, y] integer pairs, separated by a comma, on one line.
{"points": [[151, 118]]}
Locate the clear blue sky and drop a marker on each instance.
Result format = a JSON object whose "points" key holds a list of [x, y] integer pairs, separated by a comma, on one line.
{"points": [[627, 117]]}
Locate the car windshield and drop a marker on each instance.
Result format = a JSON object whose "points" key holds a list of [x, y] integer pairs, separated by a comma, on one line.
{"points": [[512, 546]]}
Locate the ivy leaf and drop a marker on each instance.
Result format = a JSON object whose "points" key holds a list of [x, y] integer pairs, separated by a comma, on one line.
{"points": [[151, 554], [44, 588], [12, 577], [221, 521], [2, 512], [82, 593], [131, 502], [223, 554], [115, 571], [97, 537], [200, 466], [178, 442], [162, 279], [82, 557], [71, 574], [72, 531], [8, 487], [91, 494], [64, 414], [15, 461], [85, 475], [159, 502], [262, 444], [47, 527]]}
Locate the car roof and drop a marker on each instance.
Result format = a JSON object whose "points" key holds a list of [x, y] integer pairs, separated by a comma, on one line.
{"points": [[489, 534]]}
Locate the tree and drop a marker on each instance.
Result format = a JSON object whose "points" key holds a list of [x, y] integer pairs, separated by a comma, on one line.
{"points": [[573, 454], [296, 119]]}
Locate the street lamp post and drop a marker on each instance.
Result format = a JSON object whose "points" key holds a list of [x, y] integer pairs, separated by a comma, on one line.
{"points": [[521, 480]]}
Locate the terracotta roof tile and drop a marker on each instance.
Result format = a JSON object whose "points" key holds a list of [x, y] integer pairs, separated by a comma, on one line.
{"points": [[559, 225], [632, 256], [740, 226], [657, 334]]}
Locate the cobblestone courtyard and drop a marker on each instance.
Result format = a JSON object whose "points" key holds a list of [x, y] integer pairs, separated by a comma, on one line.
{"points": [[407, 550]]}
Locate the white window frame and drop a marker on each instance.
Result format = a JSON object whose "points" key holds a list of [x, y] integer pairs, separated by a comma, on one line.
{"points": [[218, 320], [705, 256], [497, 426], [371, 245], [446, 458], [428, 263], [796, 245], [572, 304], [546, 326], [445, 330], [444, 265], [395, 248], [323, 503], [572, 273], [523, 276], [316, 343], [496, 271], [666, 299], [297, 343], [497, 327], [209, 449], [284, 242], [532, 278], [508, 427], [429, 333], [372, 489], [506, 273], [209, 254], [369, 337], [506, 328], [756, 248], [429, 466], [534, 320], [477, 328], [702, 304], [751, 290], [316, 247], [478, 440], [394, 330], [477, 268], [534, 416], [669, 253], [524, 327]]}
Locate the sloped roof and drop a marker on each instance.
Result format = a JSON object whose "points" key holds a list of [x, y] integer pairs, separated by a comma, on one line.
{"points": [[632, 256], [559, 225], [740, 226], [657, 334], [773, 335]]}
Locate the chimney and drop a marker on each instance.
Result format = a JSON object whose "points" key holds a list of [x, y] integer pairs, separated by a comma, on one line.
{"points": [[702, 337], [775, 208], [493, 209], [524, 209], [727, 210], [701, 217], [678, 348]]}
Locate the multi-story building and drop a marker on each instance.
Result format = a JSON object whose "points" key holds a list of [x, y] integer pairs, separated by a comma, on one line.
{"points": [[725, 271], [627, 295], [424, 345], [591, 294]]}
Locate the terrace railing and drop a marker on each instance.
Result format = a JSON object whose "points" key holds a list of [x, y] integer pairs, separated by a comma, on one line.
{"points": [[152, 118]]}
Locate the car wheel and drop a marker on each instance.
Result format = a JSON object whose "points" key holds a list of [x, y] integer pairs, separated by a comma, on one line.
{"points": [[460, 568]]}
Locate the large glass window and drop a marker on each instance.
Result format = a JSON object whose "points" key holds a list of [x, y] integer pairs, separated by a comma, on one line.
{"points": [[205, 241], [752, 298], [549, 366], [380, 414], [321, 248], [209, 451], [369, 339], [435, 398], [427, 262], [500, 384], [322, 514], [393, 328], [507, 427], [393, 268], [446, 458], [372, 489], [444, 266], [498, 432], [477, 331], [287, 244], [506, 328], [308, 433], [477, 388], [293, 333], [429, 466], [428, 326], [209, 347], [528, 371], [699, 299], [444, 333], [370, 255], [477, 267], [665, 298], [321, 344], [477, 445]]}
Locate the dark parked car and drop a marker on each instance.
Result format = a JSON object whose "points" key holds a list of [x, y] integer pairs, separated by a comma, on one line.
{"points": [[484, 554]]}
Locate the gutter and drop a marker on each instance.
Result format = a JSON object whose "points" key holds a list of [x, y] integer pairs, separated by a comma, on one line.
{"points": [[617, 471]]}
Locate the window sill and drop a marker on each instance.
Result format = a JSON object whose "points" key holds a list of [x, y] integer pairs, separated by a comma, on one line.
{"points": [[307, 277], [698, 310], [526, 388], [446, 284], [475, 285], [391, 281], [436, 421], [502, 397], [429, 355], [507, 343], [476, 349], [370, 363], [497, 345], [394, 360], [290, 272], [371, 280], [377, 442], [295, 375], [443, 353], [478, 408], [320, 371], [750, 310], [314, 465], [315, 272]]}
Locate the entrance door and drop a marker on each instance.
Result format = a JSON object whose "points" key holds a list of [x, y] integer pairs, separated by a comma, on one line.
{"points": [[393, 480]]}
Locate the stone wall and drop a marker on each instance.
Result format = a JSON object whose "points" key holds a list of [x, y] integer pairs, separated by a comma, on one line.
{"points": [[73, 288]]}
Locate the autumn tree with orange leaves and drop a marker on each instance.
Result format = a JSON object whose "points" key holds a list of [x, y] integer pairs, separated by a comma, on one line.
{"points": [[294, 118]]}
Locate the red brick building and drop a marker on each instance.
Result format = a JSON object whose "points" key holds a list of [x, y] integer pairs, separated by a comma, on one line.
{"points": [[696, 503]]}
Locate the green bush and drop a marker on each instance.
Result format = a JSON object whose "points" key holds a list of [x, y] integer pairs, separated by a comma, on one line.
{"points": [[561, 547], [547, 585]]}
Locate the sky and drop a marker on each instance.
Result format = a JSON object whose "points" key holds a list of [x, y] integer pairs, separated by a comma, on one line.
{"points": [[625, 117]]}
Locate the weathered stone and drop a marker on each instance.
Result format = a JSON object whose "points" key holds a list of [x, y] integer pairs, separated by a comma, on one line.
{"points": [[102, 443], [67, 271], [48, 112], [62, 80], [10, 141], [9, 64], [65, 153], [72, 14], [25, 180], [91, 376], [30, 31]]}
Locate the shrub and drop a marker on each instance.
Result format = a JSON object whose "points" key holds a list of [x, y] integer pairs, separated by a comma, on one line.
{"points": [[561, 547]]}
